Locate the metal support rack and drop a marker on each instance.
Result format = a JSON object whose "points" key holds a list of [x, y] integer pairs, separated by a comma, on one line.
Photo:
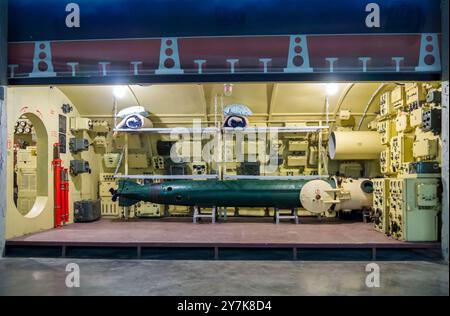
{"points": [[293, 216], [221, 172], [198, 215]]}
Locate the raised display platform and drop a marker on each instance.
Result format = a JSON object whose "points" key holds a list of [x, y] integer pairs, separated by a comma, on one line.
{"points": [[238, 238]]}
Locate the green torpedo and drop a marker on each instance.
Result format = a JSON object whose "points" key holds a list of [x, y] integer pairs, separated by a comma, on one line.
{"points": [[216, 193]]}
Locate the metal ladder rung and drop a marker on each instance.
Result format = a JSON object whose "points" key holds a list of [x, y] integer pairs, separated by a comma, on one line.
{"points": [[204, 216]]}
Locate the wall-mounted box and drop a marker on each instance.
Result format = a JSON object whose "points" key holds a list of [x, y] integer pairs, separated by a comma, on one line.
{"points": [[134, 141], [416, 117], [414, 208], [138, 161], [77, 145], [387, 131], [385, 161], [402, 122], [432, 121], [380, 212], [100, 126], [27, 158], [426, 148], [143, 209], [78, 167], [415, 95], [298, 146], [401, 152], [386, 108], [111, 160], [297, 161], [78, 124], [398, 97]]}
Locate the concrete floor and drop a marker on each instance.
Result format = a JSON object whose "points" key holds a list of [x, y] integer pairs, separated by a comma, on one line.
{"points": [[203, 278]]}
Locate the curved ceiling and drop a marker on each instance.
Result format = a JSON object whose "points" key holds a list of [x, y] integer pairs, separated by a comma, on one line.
{"points": [[269, 102]]}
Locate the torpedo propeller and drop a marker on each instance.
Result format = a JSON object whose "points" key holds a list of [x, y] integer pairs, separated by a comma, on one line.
{"points": [[114, 194]]}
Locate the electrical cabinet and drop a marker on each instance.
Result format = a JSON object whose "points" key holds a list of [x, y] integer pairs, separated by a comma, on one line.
{"points": [[111, 160], [424, 167], [400, 152], [26, 189], [432, 120], [62, 131], [106, 183], [381, 205], [77, 145], [416, 118], [134, 141], [27, 182], [145, 209], [87, 211], [138, 161], [434, 96], [78, 124], [426, 149], [27, 158], [415, 95], [298, 146], [297, 161], [398, 97], [78, 167], [387, 131], [346, 119], [402, 123], [385, 105], [385, 161], [414, 209]]}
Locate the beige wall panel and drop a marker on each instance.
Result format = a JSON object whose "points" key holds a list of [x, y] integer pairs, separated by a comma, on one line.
{"points": [[46, 104]]}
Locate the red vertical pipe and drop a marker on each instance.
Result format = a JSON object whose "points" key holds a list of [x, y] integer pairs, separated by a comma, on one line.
{"points": [[62, 197], [66, 196], [57, 185]]}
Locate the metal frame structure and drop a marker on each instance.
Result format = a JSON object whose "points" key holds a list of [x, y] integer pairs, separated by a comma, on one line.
{"points": [[445, 130], [3, 130], [216, 130], [243, 78]]}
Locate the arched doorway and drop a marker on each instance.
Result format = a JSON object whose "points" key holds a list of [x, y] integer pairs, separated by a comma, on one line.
{"points": [[30, 165]]}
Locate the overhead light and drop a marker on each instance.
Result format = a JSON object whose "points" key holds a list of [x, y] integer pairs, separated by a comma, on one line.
{"points": [[119, 92], [331, 88]]}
